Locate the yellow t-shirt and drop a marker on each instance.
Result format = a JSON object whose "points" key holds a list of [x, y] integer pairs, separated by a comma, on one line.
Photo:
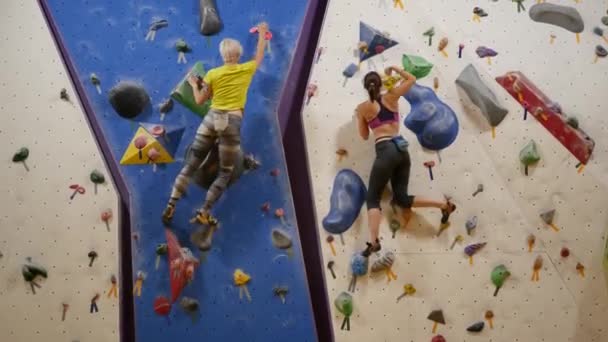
{"points": [[229, 84]]}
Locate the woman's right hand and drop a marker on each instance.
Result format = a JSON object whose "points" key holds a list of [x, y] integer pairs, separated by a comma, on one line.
{"points": [[262, 28]]}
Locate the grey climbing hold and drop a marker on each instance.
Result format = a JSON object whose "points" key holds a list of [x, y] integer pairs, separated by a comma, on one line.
{"points": [[129, 99], [384, 263], [280, 239], [471, 224], [605, 20], [481, 95], [563, 16], [600, 51], [210, 21]]}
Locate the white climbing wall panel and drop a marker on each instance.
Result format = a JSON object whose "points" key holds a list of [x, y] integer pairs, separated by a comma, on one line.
{"points": [[37, 218], [563, 306]]}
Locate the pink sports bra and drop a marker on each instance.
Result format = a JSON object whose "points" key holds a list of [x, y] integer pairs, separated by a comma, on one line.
{"points": [[385, 116]]}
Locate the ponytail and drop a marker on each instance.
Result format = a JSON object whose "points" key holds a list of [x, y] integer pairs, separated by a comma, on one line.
{"points": [[372, 83]]}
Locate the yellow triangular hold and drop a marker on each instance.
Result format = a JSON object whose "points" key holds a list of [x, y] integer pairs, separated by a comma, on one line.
{"points": [[132, 154]]}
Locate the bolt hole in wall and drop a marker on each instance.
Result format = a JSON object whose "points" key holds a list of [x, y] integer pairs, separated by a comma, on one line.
{"points": [[247, 269], [537, 199]]}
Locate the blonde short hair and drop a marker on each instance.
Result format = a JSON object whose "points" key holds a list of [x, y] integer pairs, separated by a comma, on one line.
{"points": [[231, 50]]}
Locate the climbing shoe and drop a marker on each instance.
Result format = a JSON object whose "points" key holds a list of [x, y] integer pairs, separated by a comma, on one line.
{"points": [[204, 218], [371, 248], [168, 213]]}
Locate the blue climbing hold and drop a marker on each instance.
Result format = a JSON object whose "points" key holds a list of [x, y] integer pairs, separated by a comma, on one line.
{"points": [[433, 121], [359, 264], [347, 197]]}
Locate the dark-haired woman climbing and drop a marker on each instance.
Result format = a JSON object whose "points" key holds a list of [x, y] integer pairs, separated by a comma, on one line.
{"points": [[380, 114]]}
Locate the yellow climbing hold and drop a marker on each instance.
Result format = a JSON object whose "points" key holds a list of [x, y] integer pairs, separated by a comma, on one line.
{"points": [[241, 279]]}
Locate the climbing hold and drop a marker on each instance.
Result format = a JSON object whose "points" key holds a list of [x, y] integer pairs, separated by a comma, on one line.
{"points": [[457, 239], [472, 249], [598, 31], [210, 22], [416, 66], [438, 338], [106, 216], [376, 42], [139, 281], [64, 311], [190, 305], [563, 16], [165, 107], [565, 252], [482, 96], [489, 316], [241, 279], [605, 20], [384, 264], [460, 48], [600, 51], [155, 26], [31, 272], [480, 12], [21, 156], [358, 265], [161, 249], [97, 178], [330, 266], [434, 122], [113, 287], [572, 122], [536, 267], [349, 72], [183, 93], [580, 269], [443, 43], [63, 94], [347, 197], [471, 224], [476, 327], [531, 240], [96, 82], [394, 226], [311, 90], [128, 99], [429, 33], [529, 155], [520, 5], [408, 290], [282, 240], [435, 83], [93, 307], [92, 256], [77, 190], [478, 190], [153, 155], [341, 153], [344, 304], [182, 49], [429, 164], [437, 317], [486, 52], [162, 306], [547, 217], [330, 242], [499, 274], [281, 292]]}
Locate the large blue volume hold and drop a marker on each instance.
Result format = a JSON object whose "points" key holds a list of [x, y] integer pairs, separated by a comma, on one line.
{"points": [[347, 197], [433, 121]]}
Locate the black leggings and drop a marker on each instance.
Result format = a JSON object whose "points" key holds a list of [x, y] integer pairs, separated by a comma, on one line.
{"points": [[391, 164]]}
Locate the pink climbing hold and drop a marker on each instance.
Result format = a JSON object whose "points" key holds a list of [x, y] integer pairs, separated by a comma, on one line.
{"points": [[438, 338], [140, 142]]}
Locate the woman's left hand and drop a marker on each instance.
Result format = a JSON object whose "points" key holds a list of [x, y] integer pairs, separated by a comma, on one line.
{"points": [[193, 81]]}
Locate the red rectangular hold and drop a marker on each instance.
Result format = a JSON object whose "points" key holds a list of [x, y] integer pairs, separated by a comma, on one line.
{"points": [[548, 113]]}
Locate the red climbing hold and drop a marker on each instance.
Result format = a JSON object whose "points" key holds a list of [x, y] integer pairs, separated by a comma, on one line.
{"points": [[182, 264], [162, 307], [438, 338], [548, 114]]}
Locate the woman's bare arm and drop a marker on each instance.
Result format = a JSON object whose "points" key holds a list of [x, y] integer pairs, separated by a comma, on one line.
{"points": [[406, 84], [202, 95]]}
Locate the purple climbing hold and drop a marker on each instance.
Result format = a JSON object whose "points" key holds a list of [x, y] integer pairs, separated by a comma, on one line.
{"points": [[476, 327], [483, 52]]}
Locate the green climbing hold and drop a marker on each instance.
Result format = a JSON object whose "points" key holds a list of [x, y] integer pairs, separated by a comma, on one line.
{"points": [[572, 122], [183, 91], [162, 249], [344, 304], [181, 46], [500, 273], [529, 155], [94, 79], [97, 177], [417, 66], [20, 156]]}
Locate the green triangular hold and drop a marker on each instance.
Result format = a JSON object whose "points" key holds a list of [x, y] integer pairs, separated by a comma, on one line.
{"points": [[183, 91], [529, 154], [417, 66], [344, 304]]}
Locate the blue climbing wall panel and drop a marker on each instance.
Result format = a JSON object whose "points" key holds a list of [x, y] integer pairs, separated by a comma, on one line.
{"points": [[107, 38]]}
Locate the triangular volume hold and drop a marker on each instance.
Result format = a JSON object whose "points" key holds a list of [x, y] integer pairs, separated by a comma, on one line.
{"points": [[168, 136], [377, 42], [141, 149]]}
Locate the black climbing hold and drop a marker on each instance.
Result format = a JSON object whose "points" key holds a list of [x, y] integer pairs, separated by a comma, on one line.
{"points": [[210, 21], [572, 122], [128, 99], [190, 305], [477, 327], [605, 20], [166, 106], [600, 51]]}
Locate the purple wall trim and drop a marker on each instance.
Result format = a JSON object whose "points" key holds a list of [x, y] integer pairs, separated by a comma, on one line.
{"points": [[294, 144], [126, 314]]}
